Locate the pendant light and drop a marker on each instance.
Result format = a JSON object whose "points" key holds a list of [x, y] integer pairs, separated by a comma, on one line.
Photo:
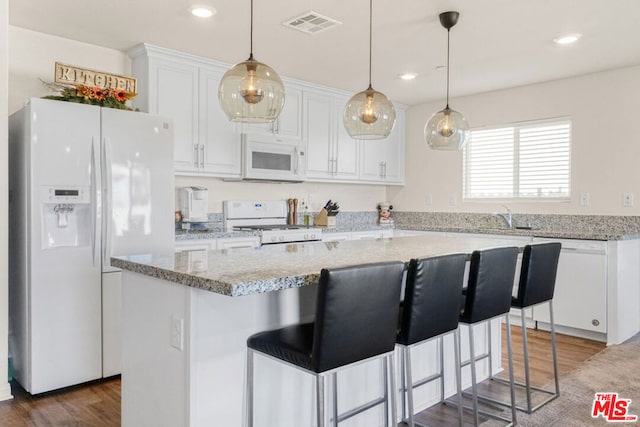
{"points": [[447, 129], [251, 92], [369, 114]]}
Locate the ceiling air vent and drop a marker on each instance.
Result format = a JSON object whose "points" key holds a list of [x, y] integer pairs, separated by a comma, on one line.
{"points": [[311, 23]]}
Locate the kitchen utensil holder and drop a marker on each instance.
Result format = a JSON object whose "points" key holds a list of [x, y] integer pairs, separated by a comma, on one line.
{"points": [[324, 219]]}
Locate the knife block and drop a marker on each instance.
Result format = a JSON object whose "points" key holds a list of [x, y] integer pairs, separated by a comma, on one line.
{"points": [[324, 219]]}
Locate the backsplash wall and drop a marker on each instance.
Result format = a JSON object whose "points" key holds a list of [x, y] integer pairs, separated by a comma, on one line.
{"points": [[350, 197]]}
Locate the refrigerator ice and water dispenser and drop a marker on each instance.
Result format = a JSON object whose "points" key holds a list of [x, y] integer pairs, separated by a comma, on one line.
{"points": [[66, 217]]}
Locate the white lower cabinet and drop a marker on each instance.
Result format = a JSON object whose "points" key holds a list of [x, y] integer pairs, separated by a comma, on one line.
{"points": [[580, 298]]}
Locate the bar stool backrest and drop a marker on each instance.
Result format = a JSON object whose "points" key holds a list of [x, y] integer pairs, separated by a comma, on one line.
{"points": [[356, 313], [491, 276], [432, 298], [538, 274]]}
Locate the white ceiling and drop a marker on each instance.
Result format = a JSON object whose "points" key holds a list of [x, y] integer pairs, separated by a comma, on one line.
{"points": [[496, 44]]}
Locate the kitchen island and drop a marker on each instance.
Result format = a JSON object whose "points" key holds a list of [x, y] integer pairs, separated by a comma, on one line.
{"points": [[186, 321]]}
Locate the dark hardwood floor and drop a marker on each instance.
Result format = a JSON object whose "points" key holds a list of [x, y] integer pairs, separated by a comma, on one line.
{"points": [[97, 404]]}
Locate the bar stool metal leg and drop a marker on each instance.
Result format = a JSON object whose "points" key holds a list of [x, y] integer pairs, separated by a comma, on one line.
{"points": [[403, 382], [474, 387], [409, 381], [511, 385], [456, 350], [249, 388], [385, 384], [334, 383], [525, 349], [320, 400], [392, 379], [553, 348], [441, 369]]}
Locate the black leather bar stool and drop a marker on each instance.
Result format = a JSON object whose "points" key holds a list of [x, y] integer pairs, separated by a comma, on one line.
{"points": [[536, 286], [356, 320], [430, 310], [488, 296]]}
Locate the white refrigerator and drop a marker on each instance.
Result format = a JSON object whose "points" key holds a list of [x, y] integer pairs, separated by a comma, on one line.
{"points": [[86, 183]]}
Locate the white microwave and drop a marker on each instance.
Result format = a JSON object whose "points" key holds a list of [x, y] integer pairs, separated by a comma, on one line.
{"points": [[265, 160]]}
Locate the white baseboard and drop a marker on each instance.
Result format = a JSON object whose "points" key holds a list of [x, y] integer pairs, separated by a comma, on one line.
{"points": [[5, 392]]}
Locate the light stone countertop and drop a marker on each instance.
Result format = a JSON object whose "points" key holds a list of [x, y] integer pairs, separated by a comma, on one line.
{"points": [[246, 271]]}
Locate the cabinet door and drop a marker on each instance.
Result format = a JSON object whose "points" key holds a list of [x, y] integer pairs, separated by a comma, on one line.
{"points": [[289, 122], [331, 153], [382, 160], [346, 149], [220, 144], [288, 125], [176, 87], [317, 123], [580, 297]]}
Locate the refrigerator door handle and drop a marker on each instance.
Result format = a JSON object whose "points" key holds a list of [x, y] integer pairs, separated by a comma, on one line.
{"points": [[107, 213], [95, 202]]}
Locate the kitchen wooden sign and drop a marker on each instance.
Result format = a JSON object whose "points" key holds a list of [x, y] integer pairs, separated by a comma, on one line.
{"points": [[72, 75]]}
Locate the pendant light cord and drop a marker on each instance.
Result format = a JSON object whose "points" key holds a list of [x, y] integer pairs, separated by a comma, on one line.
{"points": [[251, 35], [370, 37], [448, 44]]}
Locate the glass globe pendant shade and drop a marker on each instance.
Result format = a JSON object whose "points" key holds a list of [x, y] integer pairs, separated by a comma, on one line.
{"points": [[369, 115], [446, 130], [251, 92]]}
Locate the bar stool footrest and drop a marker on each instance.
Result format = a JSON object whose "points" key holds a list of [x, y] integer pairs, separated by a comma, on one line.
{"points": [[552, 395], [358, 410], [481, 412]]}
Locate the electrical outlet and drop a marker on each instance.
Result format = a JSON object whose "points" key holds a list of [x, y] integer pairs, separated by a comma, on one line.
{"points": [[428, 200], [627, 200], [177, 333], [584, 199], [453, 200]]}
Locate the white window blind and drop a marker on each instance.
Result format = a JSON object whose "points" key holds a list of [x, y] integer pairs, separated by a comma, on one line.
{"points": [[526, 160]]}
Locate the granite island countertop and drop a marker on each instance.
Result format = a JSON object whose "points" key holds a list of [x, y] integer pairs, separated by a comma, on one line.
{"points": [[246, 271]]}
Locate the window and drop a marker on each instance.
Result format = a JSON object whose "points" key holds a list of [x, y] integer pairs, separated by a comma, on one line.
{"points": [[529, 160]]}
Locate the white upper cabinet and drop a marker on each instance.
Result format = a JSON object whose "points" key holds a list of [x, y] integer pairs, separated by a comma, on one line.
{"points": [[331, 153], [185, 89], [382, 160], [220, 142], [288, 125]]}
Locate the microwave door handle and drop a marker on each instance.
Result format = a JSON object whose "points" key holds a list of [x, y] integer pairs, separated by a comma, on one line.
{"points": [[297, 156]]}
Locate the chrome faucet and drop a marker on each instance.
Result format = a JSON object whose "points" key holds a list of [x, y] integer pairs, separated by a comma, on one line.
{"points": [[506, 217]]}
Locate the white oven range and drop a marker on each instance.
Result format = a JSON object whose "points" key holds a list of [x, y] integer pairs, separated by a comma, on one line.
{"points": [[269, 217]]}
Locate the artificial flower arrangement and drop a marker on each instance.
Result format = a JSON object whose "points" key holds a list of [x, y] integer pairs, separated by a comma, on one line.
{"points": [[110, 98]]}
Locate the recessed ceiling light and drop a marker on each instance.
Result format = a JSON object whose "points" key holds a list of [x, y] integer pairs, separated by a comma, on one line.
{"points": [[408, 76], [202, 11], [568, 39]]}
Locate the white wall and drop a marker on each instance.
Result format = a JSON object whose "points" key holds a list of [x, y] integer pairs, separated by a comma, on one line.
{"points": [[604, 108], [350, 197], [32, 58], [5, 390]]}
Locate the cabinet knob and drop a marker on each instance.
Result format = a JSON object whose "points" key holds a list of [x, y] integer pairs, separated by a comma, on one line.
{"points": [[595, 322]]}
